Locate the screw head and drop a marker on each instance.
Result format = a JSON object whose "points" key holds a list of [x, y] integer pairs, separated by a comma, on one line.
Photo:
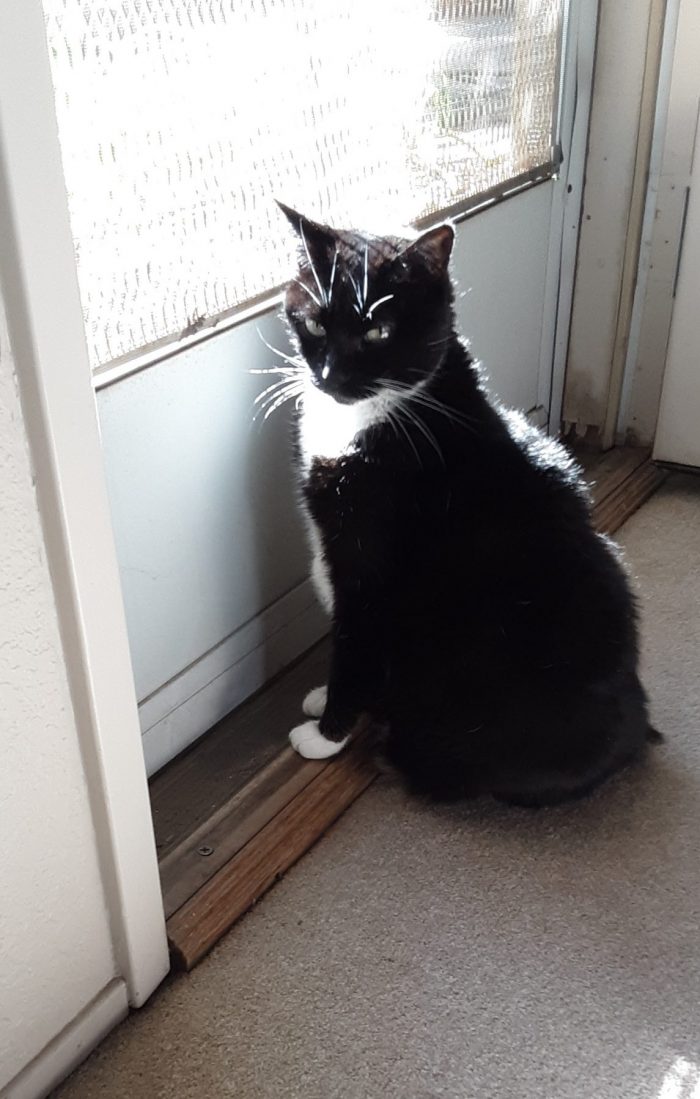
{"points": [[205, 849]]}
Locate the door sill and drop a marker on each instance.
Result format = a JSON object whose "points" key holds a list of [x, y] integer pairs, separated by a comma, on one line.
{"points": [[621, 480], [221, 846], [236, 810]]}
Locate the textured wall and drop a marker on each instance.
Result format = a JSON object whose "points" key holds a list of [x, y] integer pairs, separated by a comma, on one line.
{"points": [[55, 948]]}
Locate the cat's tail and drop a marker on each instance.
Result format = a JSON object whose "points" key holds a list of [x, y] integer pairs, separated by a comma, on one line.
{"points": [[654, 736]]}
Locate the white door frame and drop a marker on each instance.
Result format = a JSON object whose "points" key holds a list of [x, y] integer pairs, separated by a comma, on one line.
{"points": [[626, 71], [677, 437], [670, 168], [579, 49], [197, 689], [37, 267], [40, 287]]}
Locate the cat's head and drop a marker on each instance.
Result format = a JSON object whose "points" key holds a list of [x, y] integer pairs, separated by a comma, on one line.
{"points": [[368, 310]]}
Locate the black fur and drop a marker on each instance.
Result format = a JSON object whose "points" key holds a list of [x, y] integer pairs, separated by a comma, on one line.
{"points": [[478, 616]]}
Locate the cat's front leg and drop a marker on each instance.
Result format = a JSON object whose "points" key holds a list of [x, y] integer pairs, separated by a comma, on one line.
{"points": [[326, 734], [315, 702], [309, 741], [336, 709]]}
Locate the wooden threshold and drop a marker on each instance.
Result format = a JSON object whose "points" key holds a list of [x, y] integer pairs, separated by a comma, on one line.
{"points": [[202, 781], [293, 826], [230, 818], [621, 480]]}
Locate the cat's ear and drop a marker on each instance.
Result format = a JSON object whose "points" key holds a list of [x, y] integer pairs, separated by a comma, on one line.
{"points": [[303, 226], [295, 219], [316, 242], [433, 248]]}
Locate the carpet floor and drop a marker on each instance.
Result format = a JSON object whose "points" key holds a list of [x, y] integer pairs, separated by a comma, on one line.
{"points": [[471, 953]]}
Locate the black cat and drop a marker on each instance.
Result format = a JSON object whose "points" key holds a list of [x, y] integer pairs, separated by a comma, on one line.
{"points": [[477, 616]]}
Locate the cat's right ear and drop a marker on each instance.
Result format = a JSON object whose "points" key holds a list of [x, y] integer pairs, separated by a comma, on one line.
{"points": [[295, 219], [304, 227], [316, 241]]}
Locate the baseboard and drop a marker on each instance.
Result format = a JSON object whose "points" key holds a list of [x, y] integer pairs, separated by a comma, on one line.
{"points": [[191, 703], [69, 1048]]}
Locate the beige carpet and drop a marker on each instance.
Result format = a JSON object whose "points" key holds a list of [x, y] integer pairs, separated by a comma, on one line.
{"points": [[475, 954]]}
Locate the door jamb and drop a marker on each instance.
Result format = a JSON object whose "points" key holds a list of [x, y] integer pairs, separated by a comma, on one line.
{"points": [[44, 317], [580, 31], [662, 232]]}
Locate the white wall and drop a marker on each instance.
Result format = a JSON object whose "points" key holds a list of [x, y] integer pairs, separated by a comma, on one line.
{"points": [[55, 944]]}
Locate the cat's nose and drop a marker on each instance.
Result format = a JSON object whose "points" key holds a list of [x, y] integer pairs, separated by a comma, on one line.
{"points": [[332, 375], [335, 382]]}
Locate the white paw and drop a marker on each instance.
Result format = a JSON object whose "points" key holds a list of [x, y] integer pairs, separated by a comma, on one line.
{"points": [[309, 742], [315, 702]]}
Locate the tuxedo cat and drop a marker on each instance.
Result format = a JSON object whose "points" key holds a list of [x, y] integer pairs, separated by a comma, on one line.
{"points": [[477, 617]]}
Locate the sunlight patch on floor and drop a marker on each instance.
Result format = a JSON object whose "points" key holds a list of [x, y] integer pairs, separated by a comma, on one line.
{"points": [[682, 1081]]}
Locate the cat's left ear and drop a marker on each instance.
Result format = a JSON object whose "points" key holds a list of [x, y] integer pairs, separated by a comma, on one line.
{"points": [[434, 248]]}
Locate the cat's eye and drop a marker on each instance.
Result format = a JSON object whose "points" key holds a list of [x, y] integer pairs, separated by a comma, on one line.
{"points": [[378, 333], [314, 328]]}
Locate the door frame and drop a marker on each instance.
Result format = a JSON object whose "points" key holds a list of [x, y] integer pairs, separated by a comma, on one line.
{"points": [[676, 437], [46, 328], [45, 322], [575, 97], [630, 44], [674, 141], [200, 688]]}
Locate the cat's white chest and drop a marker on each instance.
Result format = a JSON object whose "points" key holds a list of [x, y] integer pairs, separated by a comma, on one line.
{"points": [[328, 430]]}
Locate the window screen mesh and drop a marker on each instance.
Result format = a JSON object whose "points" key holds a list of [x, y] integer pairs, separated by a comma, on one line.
{"points": [[181, 120]]}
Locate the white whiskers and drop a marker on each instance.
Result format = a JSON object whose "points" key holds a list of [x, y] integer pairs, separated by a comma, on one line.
{"points": [[413, 418], [311, 265], [364, 284], [274, 388], [277, 395], [282, 399], [361, 292], [418, 395], [295, 361], [406, 412], [289, 384], [309, 291], [394, 419], [357, 306], [376, 304], [332, 282]]}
